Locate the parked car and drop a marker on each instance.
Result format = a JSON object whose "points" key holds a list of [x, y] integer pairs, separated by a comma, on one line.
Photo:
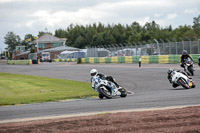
{"points": [[45, 57], [3, 57]]}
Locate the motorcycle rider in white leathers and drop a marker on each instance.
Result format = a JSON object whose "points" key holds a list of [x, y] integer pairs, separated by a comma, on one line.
{"points": [[94, 73], [170, 77]]}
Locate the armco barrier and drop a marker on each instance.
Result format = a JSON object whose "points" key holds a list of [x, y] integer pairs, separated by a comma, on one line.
{"points": [[163, 59], [159, 59], [153, 59], [174, 59], [65, 60], [19, 62]]}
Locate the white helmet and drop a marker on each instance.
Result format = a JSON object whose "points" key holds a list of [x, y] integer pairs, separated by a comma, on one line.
{"points": [[93, 72]]}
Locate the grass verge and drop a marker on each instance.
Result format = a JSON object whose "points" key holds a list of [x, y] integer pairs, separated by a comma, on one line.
{"points": [[24, 89]]}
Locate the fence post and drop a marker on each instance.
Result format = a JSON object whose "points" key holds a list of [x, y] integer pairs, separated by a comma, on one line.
{"points": [[176, 44], [169, 46], [145, 45], [198, 46], [113, 50], [135, 48], [190, 45], [163, 46], [140, 48], [197, 43], [157, 46], [150, 46], [182, 43]]}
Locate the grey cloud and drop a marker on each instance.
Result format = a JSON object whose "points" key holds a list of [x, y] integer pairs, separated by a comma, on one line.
{"points": [[16, 15]]}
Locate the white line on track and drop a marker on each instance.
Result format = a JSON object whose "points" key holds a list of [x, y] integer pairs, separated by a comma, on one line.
{"points": [[95, 113]]}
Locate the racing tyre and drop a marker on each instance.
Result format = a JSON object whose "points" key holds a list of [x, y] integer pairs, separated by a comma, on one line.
{"points": [[193, 86], [105, 92], [183, 83], [101, 96], [123, 92], [191, 70]]}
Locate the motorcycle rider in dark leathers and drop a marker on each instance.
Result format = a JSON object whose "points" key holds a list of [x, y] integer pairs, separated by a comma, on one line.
{"points": [[184, 57]]}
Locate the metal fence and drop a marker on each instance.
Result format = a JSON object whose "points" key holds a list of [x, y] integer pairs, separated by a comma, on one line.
{"points": [[143, 48]]}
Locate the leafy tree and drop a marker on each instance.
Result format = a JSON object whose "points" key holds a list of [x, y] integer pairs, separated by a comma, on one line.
{"points": [[98, 40], [99, 34], [60, 33], [41, 33], [12, 40], [180, 32], [79, 42], [196, 26]]}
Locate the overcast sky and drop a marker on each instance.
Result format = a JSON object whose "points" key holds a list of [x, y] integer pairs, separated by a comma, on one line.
{"points": [[31, 16]]}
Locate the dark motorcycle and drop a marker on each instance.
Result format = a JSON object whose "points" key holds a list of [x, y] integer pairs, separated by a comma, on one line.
{"points": [[189, 67]]}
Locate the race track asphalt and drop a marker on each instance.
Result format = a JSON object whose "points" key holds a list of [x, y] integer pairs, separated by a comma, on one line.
{"points": [[149, 84]]}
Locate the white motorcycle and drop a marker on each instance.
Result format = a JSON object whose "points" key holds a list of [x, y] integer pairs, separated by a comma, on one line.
{"points": [[107, 88], [182, 80], [189, 67]]}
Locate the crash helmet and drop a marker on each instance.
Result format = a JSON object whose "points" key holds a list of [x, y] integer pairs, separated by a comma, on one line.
{"points": [[170, 71], [93, 72], [184, 52]]}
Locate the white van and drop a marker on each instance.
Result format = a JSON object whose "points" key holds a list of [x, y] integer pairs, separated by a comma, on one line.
{"points": [[45, 57]]}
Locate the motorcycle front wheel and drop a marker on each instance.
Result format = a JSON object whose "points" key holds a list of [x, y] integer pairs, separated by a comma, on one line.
{"points": [[105, 92], [191, 70], [123, 92], [183, 83]]}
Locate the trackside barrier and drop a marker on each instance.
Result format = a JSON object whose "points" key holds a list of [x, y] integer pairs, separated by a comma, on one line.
{"points": [[66, 60], [19, 62], [153, 59], [156, 59]]}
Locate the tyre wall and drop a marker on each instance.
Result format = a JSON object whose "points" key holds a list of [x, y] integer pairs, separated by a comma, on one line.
{"points": [[161, 59], [19, 62]]}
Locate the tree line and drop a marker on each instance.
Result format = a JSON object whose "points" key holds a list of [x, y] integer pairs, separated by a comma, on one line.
{"points": [[94, 35]]}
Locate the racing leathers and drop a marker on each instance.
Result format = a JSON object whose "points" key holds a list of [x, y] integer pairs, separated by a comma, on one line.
{"points": [[169, 77], [184, 58], [104, 77]]}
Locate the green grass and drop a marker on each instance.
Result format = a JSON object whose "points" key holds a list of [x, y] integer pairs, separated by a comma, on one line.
{"points": [[24, 89]]}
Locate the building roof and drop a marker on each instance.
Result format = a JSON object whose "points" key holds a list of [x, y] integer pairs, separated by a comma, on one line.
{"points": [[23, 53], [60, 48], [47, 38]]}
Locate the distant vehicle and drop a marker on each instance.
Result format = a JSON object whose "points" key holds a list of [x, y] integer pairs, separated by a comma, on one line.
{"points": [[3, 57], [72, 54], [45, 57]]}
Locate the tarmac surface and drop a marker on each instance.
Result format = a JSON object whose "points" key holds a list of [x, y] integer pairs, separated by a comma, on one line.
{"points": [[149, 84]]}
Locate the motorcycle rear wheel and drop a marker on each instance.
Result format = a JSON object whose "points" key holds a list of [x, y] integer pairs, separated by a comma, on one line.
{"points": [[190, 69]]}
